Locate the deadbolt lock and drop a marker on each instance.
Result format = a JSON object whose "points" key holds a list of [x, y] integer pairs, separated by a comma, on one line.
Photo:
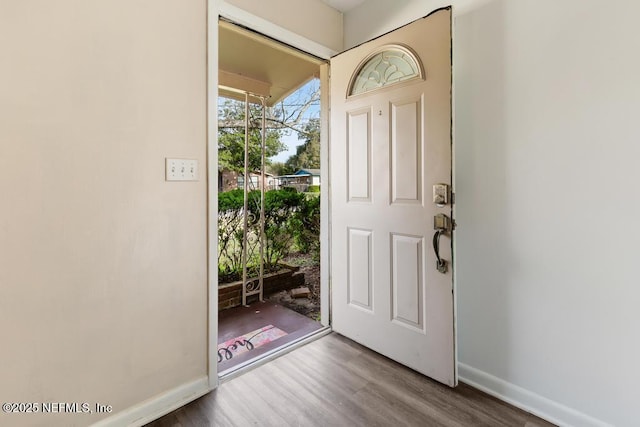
{"points": [[441, 194]]}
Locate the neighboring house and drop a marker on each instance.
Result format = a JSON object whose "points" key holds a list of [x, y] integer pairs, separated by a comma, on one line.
{"points": [[301, 180], [255, 181], [227, 180], [313, 175], [231, 180]]}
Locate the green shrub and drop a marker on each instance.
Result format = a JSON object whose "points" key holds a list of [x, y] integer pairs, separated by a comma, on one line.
{"points": [[282, 226], [231, 200], [308, 233], [313, 189], [230, 233]]}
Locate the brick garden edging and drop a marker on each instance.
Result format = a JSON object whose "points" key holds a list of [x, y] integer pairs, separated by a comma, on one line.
{"points": [[230, 294]]}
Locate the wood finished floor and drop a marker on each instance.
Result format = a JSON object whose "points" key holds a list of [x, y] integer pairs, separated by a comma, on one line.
{"points": [[336, 382]]}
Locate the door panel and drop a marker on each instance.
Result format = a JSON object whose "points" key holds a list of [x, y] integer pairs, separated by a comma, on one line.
{"points": [[406, 150], [388, 147], [407, 280], [360, 269], [358, 153]]}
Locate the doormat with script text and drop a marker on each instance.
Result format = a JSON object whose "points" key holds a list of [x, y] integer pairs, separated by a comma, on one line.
{"points": [[254, 339]]}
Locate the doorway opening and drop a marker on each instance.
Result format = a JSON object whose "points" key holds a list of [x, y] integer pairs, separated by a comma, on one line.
{"points": [[269, 197]]}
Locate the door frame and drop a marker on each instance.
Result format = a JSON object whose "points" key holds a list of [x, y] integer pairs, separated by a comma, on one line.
{"points": [[215, 10], [219, 9]]}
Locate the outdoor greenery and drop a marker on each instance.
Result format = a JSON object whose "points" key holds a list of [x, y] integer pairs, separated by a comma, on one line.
{"points": [[292, 219], [308, 235], [231, 136], [292, 222], [298, 114], [308, 154]]}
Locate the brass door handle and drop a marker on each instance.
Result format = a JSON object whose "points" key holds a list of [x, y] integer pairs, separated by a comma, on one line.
{"points": [[441, 264], [442, 225]]}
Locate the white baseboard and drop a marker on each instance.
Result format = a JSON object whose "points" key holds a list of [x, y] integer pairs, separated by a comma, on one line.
{"points": [[157, 406], [526, 400]]}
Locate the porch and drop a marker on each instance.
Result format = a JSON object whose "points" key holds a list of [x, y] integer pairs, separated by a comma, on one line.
{"points": [[246, 333]]}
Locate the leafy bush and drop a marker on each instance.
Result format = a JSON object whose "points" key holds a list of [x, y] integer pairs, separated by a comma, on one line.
{"points": [[282, 226], [313, 189], [308, 233], [230, 234], [231, 200]]}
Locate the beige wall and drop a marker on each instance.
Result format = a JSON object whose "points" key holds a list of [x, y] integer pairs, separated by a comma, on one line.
{"points": [[102, 263]]}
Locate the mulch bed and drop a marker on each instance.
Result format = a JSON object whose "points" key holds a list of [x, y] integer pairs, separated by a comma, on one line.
{"points": [[309, 307]]}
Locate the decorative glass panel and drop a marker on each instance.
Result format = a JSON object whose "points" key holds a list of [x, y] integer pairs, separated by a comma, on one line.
{"points": [[387, 66]]}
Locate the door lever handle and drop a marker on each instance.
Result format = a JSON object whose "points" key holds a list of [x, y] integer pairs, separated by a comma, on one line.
{"points": [[442, 225], [441, 264]]}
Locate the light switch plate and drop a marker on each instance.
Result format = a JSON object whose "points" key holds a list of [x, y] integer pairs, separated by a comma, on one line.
{"points": [[181, 169]]}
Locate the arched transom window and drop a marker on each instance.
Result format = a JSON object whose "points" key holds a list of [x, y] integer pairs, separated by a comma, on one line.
{"points": [[386, 66]]}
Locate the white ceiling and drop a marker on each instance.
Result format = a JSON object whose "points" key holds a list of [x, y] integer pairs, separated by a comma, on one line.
{"points": [[248, 61], [343, 5], [262, 66]]}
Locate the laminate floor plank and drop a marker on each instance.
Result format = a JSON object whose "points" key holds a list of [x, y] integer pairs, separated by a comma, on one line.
{"points": [[334, 381], [409, 387]]}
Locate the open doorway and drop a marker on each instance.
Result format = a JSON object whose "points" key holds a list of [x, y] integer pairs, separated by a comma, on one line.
{"points": [[269, 188]]}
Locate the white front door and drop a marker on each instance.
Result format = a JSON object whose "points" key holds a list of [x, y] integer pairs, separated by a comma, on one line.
{"points": [[390, 142]]}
